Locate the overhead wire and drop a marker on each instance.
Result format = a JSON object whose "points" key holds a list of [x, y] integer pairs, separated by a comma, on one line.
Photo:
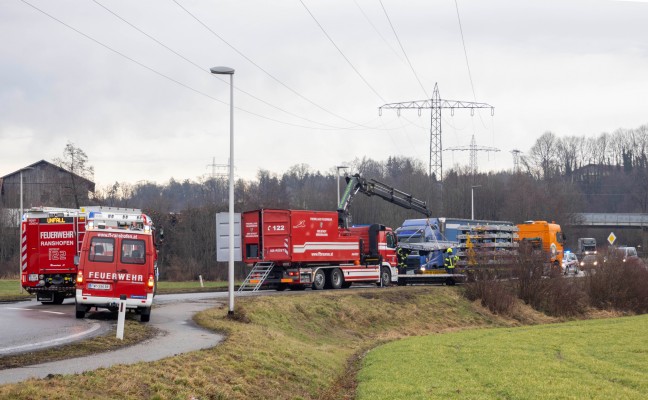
{"points": [[200, 68], [373, 26], [463, 43], [403, 49], [341, 53], [262, 69], [376, 30], [161, 74]]}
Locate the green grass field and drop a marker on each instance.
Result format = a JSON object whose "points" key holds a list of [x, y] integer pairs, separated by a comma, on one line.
{"points": [[190, 286], [595, 359], [312, 345], [10, 288]]}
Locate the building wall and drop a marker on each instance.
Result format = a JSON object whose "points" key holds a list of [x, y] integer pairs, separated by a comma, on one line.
{"points": [[45, 185]]}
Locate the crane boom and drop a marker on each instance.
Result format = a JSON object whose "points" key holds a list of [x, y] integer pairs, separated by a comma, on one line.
{"points": [[372, 187]]}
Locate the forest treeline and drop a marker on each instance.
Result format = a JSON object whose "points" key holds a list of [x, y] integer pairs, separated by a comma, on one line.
{"points": [[557, 178]]}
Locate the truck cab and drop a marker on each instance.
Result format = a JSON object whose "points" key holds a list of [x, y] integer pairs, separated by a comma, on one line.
{"points": [[545, 236], [118, 260]]}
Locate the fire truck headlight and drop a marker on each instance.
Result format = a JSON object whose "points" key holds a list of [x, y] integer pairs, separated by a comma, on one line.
{"points": [[41, 283], [41, 276]]}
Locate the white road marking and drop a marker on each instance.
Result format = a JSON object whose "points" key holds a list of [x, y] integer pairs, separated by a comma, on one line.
{"points": [[53, 312], [93, 328]]}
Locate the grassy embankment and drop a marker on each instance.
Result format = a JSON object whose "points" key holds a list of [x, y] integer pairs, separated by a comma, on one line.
{"points": [[310, 345], [304, 346]]}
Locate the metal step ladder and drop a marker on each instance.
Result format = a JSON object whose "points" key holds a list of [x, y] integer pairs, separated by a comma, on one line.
{"points": [[256, 277]]}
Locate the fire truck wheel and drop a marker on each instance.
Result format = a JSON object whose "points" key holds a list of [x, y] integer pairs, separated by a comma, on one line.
{"points": [[281, 287], [80, 310], [58, 298], [385, 277], [319, 280], [146, 315], [336, 278]]}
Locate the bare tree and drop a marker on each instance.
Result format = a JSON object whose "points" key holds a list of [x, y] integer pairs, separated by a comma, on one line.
{"points": [[75, 161], [543, 154]]}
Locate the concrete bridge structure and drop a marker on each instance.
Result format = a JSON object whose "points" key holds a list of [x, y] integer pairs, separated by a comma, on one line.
{"points": [[615, 222]]}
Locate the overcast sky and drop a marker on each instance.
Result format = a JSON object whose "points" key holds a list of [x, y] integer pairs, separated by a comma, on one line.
{"points": [[128, 81]]}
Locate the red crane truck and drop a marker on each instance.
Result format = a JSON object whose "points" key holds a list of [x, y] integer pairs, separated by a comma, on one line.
{"points": [[297, 248]]}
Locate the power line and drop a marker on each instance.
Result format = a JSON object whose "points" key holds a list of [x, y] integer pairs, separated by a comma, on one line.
{"points": [[204, 70], [262, 69], [163, 75], [377, 31], [403, 49], [341, 53], [465, 52]]}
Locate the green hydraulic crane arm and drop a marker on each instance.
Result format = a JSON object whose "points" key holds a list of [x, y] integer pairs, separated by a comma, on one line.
{"points": [[372, 187]]}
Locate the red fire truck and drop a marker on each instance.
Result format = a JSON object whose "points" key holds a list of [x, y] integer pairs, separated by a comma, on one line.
{"points": [[296, 248], [50, 238], [118, 260]]}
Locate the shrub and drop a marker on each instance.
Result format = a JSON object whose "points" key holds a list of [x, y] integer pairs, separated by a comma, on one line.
{"points": [[495, 294], [547, 289], [619, 285]]}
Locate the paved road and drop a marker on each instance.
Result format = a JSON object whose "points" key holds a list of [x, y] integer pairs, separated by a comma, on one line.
{"points": [[171, 316], [30, 325]]}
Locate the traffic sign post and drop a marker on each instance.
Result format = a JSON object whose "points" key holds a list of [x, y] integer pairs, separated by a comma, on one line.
{"points": [[121, 318]]}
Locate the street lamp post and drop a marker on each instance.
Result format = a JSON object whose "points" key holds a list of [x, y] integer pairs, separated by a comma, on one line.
{"points": [[230, 72], [472, 201], [20, 227], [339, 167]]}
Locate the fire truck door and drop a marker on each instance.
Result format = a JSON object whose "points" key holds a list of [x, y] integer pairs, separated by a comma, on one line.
{"points": [[134, 267], [100, 267]]}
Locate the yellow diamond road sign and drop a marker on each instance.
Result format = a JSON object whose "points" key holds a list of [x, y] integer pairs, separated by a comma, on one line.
{"points": [[611, 238]]}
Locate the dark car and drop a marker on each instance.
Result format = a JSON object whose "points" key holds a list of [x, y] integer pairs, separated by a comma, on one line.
{"points": [[589, 261]]}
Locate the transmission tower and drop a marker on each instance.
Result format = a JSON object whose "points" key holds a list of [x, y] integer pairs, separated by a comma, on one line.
{"points": [[436, 104], [473, 148], [214, 166], [516, 160]]}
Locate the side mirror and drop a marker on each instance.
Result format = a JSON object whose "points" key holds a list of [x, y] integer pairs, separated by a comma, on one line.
{"points": [[76, 260]]}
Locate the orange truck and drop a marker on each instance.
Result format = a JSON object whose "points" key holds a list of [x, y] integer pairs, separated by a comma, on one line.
{"points": [[545, 236]]}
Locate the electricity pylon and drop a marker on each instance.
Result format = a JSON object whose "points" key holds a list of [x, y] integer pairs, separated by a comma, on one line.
{"points": [[436, 104], [473, 148], [516, 160]]}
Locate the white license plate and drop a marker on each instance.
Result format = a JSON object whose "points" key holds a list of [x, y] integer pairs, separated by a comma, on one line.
{"points": [[99, 286]]}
